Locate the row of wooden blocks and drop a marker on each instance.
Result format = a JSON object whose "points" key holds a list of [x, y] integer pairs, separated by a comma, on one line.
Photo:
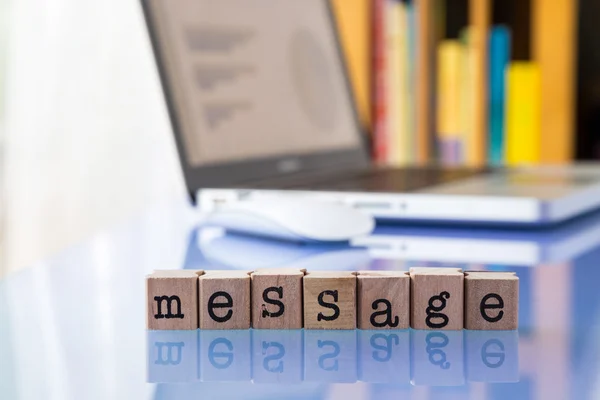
{"points": [[424, 298]]}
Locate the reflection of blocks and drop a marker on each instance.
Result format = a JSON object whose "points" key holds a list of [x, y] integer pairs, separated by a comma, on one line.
{"points": [[330, 300], [224, 300], [172, 356], [225, 355], [491, 300], [383, 299], [277, 356], [438, 358], [330, 356], [384, 356], [277, 299], [436, 298], [172, 300], [492, 356]]}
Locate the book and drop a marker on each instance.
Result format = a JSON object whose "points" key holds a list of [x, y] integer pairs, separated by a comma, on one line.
{"points": [[380, 82], [467, 99], [479, 21], [450, 56], [523, 118], [353, 22], [499, 57], [410, 108], [398, 94], [394, 85], [553, 49], [423, 79]]}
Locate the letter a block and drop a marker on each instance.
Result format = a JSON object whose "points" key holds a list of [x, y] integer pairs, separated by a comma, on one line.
{"points": [[437, 296], [277, 299], [224, 300], [383, 299], [330, 300], [172, 300], [491, 301]]}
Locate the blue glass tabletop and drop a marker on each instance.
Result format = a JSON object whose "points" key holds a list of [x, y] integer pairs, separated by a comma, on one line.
{"points": [[73, 327]]}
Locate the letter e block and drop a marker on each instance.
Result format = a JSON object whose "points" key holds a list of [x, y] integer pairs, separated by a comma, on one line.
{"points": [[383, 299], [330, 300], [437, 298], [172, 300], [277, 299], [491, 301], [225, 300]]}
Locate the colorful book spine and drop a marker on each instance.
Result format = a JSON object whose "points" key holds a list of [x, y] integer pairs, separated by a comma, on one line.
{"points": [[411, 117], [398, 133], [448, 116], [380, 124], [425, 118], [498, 60], [554, 48], [479, 21], [392, 19], [523, 116], [467, 106], [354, 26]]}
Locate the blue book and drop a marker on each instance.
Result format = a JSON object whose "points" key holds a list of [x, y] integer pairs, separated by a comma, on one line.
{"points": [[499, 57]]}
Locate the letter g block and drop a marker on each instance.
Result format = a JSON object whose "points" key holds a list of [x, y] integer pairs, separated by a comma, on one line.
{"points": [[437, 296], [172, 300], [224, 300]]}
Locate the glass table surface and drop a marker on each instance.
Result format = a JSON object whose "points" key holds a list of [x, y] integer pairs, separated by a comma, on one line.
{"points": [[73, 326]]}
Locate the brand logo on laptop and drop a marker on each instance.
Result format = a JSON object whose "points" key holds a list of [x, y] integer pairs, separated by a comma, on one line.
{"points": [[289, 165]]}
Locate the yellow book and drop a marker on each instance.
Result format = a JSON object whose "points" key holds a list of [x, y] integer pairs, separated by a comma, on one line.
{"points": [[554, 48], [523, 117], [450, 56], [354, 25], [397, 70]]}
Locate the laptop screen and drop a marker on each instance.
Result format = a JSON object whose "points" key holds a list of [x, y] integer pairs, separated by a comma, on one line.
{"points": [[252, 80]]}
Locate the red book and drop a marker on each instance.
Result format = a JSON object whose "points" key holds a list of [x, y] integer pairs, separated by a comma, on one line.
{"points": [[380, 82]]}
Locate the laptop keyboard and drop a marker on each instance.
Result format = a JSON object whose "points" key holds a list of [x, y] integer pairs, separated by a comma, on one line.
{"points": [[378, 180]]}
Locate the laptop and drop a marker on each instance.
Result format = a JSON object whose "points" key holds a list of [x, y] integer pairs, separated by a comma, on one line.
{"points": [[261, 106]]}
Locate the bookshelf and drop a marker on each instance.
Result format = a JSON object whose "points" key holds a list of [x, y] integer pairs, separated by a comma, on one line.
{"points": [[443, 74]]}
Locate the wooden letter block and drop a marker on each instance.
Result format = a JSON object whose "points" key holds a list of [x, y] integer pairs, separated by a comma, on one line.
{"points": [[277, 299], [383, 299], [172, 300], [225, 300], [330, 300], [437, 298], [491, 301]]}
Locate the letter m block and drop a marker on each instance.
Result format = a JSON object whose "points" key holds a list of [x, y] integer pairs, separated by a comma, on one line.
{"points": [[172, 300]]}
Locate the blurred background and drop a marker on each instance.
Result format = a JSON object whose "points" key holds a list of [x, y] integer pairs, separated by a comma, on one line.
{"points": [[85, 140]]}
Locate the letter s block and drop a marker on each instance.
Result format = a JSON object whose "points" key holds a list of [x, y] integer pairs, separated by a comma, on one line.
{"points": [[491, 301], [224, 300], [172, 300], [383, 299], [437, 298], [277, 298], [330, 300]]}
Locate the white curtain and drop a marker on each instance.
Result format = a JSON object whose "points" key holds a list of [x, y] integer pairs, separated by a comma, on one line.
{"points": [[87, 138]]}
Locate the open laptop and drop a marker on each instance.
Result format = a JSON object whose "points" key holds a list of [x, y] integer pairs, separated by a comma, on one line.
{"points": [[261, 106]]}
